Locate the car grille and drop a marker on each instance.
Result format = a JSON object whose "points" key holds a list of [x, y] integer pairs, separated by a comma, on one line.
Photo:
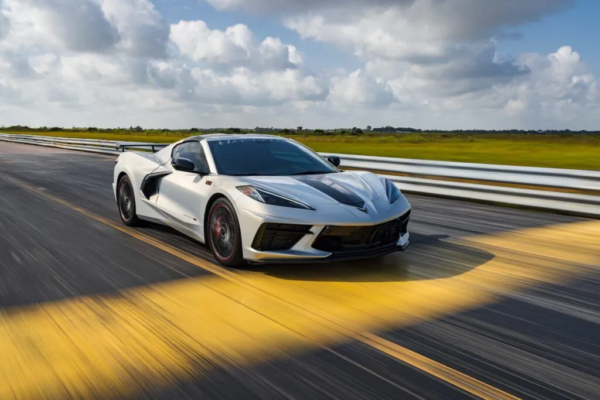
{"points": [[278, 237], [349, 239]]}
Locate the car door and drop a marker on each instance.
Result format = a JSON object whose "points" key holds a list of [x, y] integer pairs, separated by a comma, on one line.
{"points": [[184, 194]]}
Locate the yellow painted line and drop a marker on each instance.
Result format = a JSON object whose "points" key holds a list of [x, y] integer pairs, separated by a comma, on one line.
{"points": [[159, 334], [440, 371]]}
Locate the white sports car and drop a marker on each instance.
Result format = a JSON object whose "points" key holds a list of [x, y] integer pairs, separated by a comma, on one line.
{"points": [[262, 199]]}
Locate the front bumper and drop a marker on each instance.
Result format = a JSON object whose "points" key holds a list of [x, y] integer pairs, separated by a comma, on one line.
{"points": [[299, 259], [303, 251]]}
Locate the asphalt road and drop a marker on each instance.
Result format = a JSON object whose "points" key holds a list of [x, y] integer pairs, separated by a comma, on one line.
{"points": [[488, 302]]}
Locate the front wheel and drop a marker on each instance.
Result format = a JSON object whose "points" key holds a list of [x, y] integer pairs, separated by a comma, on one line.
{"points": [[126, 202], [224, 234]]}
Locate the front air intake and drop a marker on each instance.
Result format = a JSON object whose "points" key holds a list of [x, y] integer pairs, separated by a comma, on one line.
{"points": [[279, 237], [356, 239]]}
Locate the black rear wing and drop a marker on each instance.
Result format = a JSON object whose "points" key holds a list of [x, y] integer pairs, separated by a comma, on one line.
{"points": [[141, 146]]}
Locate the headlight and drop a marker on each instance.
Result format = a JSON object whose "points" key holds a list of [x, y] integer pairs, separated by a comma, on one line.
{"points": [[266, 197], [392, 191]]}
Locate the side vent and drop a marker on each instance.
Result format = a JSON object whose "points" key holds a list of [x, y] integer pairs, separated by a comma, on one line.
{"points": [[150, 183]]}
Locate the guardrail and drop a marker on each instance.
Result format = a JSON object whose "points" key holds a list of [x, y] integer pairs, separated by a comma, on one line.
{"points": [[108, 147], [546, 177], [431, 177]]}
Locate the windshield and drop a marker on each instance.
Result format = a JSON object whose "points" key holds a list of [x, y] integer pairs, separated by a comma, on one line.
{"points": [[266, 157]]}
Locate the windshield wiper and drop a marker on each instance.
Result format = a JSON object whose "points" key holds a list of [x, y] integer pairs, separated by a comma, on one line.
{"points": [[252, 174], [296, 173], [312, 172]]}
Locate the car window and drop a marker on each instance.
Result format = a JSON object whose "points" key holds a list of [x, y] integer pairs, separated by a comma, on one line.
{"points": [[194, 152], [274, 157]]}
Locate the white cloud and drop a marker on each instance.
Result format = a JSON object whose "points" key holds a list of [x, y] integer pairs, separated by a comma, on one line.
{"points": [[66, 24], [195, 40], [236, 46], [359, 89], [416, 31], [435, 19], [132, 73], [442, 48], [557, 92], [243, 86], [438, 57], [98, 26], [426, 63], [143, 31], [4, 26], [559, 84]]}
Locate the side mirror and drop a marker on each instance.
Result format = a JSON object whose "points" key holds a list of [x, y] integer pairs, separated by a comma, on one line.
{"points": [[182, 164], [335, 160]]}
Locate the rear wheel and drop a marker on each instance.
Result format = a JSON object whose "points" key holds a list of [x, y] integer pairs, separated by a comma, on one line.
{"points": [[126, 202], [224, 234]]}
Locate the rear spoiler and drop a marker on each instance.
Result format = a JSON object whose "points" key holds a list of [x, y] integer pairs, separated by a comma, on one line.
{"points": [[140, 146]]}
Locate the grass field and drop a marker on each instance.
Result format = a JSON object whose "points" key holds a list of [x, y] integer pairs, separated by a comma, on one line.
{"points": [[555, 151]]}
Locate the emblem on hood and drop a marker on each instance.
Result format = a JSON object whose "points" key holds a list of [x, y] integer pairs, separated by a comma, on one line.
{"points": [[363, 209]]}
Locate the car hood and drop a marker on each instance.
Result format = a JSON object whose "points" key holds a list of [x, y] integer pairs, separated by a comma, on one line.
{"points": [[337, 188]]}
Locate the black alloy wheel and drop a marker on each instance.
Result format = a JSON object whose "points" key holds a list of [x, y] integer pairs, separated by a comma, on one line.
{"points": [[126, 202], [224, 234]]}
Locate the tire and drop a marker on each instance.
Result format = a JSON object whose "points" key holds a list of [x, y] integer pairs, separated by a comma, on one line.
{"points": [[126, 202], [224, 237]]}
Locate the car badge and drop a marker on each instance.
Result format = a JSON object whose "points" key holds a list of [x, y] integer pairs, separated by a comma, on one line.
{"points": [[363, 209]]}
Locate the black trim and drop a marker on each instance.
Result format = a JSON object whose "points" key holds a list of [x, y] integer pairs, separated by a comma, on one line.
{"points": [[196, 139], [358, 239], [404, 219], [279, 237], [123, 147], [149, 185], [189, 140], [336, 258]]}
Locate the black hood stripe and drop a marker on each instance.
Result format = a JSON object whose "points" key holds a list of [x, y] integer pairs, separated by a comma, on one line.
{"points": [[332, 189]]}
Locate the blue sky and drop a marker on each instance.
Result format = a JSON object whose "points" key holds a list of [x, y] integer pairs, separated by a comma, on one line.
{"points": [[327, 63]]}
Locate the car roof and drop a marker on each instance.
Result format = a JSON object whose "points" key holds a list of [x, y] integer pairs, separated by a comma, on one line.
{"points": [[238, 136]]}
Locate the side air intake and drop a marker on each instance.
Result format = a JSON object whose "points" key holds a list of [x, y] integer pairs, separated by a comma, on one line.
{"points": [[150, 183], [279, 237]]}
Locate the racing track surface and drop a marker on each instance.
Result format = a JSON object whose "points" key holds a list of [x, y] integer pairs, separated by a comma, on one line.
{"points": [[488, 302]]}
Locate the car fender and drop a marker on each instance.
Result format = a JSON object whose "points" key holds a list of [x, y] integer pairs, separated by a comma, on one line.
{"points": [[136, 166]]}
